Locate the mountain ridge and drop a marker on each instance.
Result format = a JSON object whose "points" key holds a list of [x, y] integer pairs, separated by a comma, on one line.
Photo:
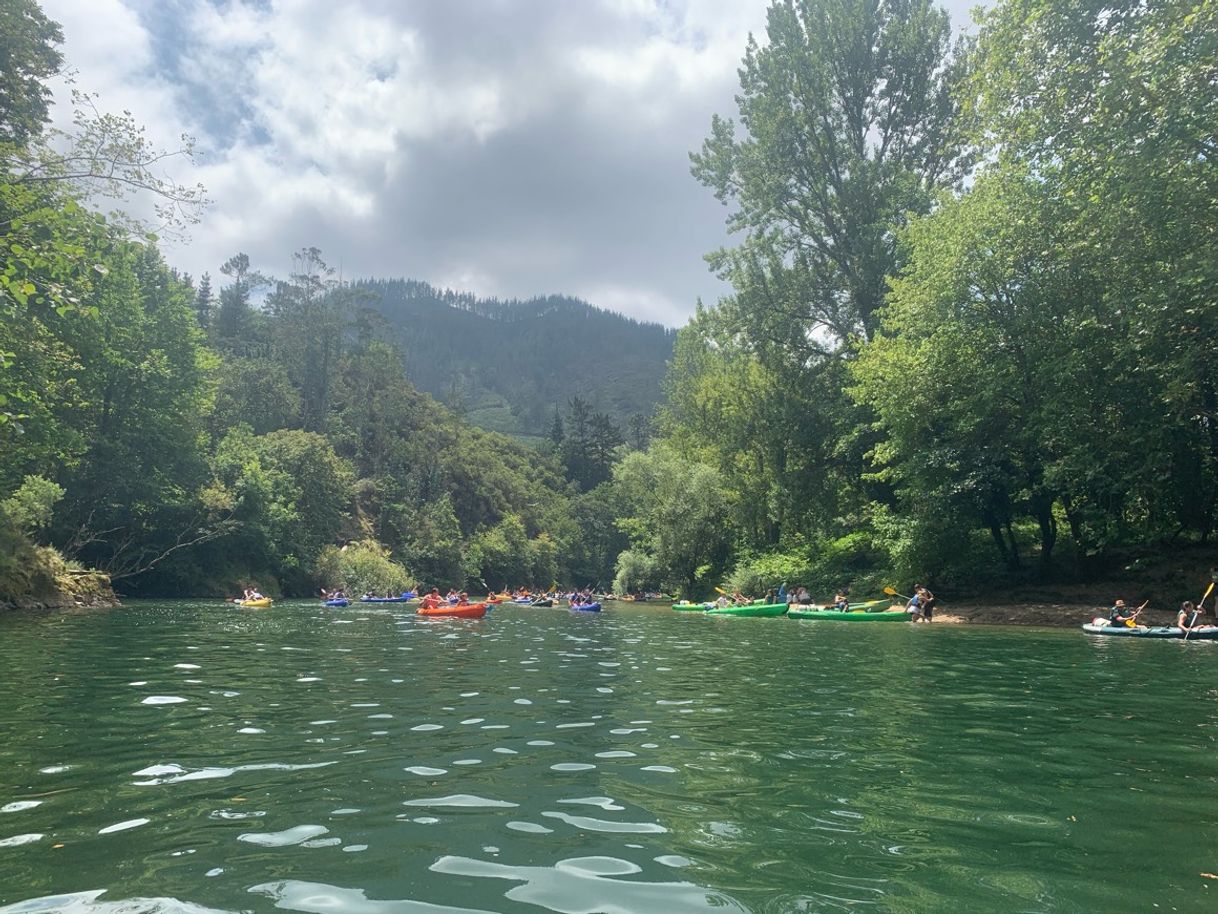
{"points": [[506, 365]]}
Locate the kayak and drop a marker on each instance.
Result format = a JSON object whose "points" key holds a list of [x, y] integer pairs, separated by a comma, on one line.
{"points": [[838, 615], [1150, 631], [404, 598], [263, 602], [749, 609], [468, 611], [692, 607], [586, 607], [339, 601], [543, 603]]}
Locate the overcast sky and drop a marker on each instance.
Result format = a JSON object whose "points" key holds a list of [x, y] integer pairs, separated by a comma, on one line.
{"points": [[501, 147]]}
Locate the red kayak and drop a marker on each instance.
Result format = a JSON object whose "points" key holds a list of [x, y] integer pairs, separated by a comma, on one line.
{"points": [[468, 611]]}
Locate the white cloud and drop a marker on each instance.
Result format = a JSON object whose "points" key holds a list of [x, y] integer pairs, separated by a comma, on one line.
{"points": [[509, 147]]}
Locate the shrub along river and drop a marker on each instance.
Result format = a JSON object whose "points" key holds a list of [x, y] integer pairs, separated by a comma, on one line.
{"points": [[191, 757]]}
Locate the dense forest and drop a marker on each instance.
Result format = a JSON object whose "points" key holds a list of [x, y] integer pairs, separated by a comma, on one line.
{"points": [[970, 341], [540, 354]]}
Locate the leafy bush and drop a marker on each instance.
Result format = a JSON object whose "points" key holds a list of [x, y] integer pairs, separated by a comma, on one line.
{"points": [[30, 508], [635, 571], [757, 574], [363, 567]]}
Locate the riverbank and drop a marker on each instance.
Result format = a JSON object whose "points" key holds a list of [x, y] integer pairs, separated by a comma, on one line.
{"points": [[1065, 606], [38, 577]]}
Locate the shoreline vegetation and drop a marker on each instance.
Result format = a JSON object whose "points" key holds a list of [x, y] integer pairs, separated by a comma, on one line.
{"points": [[969, 343]]}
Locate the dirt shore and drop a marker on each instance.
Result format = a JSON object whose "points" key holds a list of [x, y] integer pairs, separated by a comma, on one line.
{"points": [[1073, 610], [1043, 614]]}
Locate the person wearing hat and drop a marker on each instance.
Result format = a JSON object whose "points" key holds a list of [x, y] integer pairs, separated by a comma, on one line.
{"points": [[1119, 616]]}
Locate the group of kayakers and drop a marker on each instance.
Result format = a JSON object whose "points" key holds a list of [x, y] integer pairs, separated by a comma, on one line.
{"points": [[432, 599], [1190, 617]]}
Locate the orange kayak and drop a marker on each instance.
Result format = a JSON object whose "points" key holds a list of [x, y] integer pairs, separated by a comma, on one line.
{"points": [[468, 611]]}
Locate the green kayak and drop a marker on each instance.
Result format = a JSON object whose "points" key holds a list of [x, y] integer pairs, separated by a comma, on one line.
{"points": [[692, 607], [852, 615], [750, 609]]}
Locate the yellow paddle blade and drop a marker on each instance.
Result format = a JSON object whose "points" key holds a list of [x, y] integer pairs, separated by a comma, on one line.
{"points": [[891, 592]]}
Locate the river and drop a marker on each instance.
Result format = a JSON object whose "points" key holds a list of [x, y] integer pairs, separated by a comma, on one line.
{"points": [[191, 757]]}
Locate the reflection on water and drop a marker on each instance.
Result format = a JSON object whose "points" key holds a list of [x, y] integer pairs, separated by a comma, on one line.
{"points": [[189, 758]]}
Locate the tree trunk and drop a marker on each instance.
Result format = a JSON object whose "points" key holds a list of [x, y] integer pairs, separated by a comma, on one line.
{"points": [[1042, 509]]}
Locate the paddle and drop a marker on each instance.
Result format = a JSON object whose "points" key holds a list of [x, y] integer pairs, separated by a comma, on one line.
{"points": [[1132, 621], [893, 593], [1200, 605]]}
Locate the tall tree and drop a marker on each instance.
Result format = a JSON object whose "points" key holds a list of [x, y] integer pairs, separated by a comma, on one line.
{"points": [[204, 303], [849, 123]]}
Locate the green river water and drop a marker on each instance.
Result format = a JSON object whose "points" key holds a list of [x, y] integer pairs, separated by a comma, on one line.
{"points": [[191, 757]]}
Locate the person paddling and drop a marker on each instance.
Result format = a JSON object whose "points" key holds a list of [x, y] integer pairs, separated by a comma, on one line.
{"points": [[1119, 616]]}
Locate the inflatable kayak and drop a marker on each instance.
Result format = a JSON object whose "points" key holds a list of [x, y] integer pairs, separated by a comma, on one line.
{"points": [[1150, 631], [339, 601], [404, 598], [586, 607], [692, 607], [468, 611], [849, 615], [749, 609], [262, 603]]}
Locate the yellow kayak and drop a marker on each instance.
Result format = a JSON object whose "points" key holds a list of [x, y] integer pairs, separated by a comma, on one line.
{"points": [[264, 602]]}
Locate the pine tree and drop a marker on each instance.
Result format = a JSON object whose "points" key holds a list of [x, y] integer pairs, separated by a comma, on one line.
{"points": [[203, 302]]}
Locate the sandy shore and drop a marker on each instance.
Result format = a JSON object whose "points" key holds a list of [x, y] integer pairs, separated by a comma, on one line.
{"points": [[1044, 614]]}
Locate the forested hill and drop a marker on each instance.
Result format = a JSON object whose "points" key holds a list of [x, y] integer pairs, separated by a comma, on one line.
{"points": [[504, 365]]}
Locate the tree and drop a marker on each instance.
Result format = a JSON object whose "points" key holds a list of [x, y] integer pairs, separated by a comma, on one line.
{"points": [[850, 124], [311, 312], [236, 316], [676, 516], [1112, 106], [204, 303], [29, 56], [290, 494]]}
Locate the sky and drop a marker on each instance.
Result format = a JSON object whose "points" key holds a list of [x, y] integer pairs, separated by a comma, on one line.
{"points": [[508, 148]]}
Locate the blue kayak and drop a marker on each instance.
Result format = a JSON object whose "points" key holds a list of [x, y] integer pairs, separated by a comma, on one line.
{"points": [[404, 598], [586, 607], [341, 601]]}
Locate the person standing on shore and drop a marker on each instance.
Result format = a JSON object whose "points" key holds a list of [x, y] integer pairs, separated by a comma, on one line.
{"points": [[927, 606]]}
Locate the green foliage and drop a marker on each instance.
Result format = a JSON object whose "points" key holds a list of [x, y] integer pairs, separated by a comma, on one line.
{"points": [[533, 356], [362, 567], [28, 58], [849, 123], [289, 491], [506, 557], [636, 571], [675, 512], [30, 508], [256, 392], [433, 545], [758, 574]]}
